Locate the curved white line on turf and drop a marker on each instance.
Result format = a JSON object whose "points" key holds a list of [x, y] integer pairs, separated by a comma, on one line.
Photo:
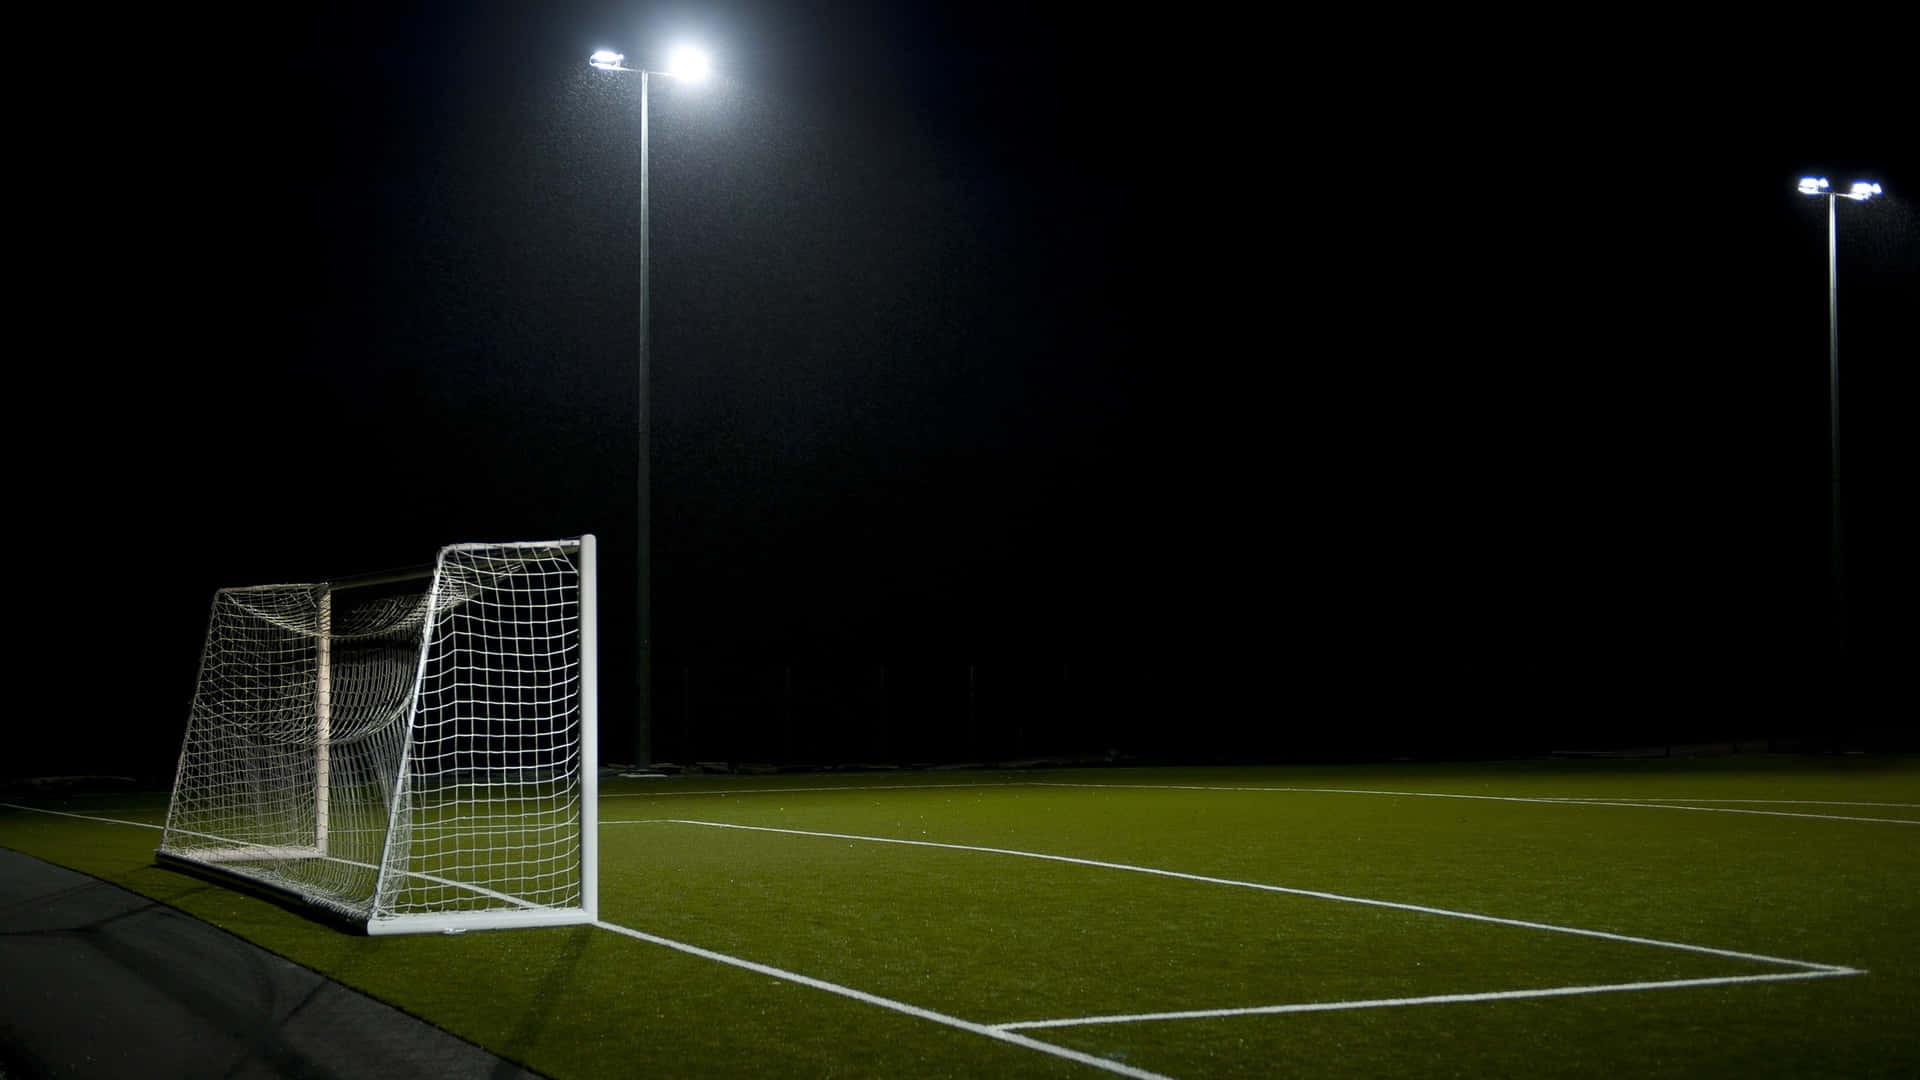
{"points": [[1552, 801], [1431, 999], [988, 1030], [1830, 969]]}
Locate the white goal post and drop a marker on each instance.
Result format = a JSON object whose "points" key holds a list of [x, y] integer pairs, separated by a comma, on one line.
{"points": [[415, 751]]}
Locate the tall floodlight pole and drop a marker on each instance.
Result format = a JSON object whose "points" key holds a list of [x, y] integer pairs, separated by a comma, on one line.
{"points": [[690, 65], [1859, 192]]}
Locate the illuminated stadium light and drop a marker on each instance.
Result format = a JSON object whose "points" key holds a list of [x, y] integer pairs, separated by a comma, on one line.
{"points": [[688, 63]]}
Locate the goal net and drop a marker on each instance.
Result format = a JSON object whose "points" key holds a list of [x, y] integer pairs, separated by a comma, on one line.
{"points": [[415, 751]]}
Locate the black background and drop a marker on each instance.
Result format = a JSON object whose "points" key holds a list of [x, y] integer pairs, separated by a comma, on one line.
{"points": [[1181, 383]]}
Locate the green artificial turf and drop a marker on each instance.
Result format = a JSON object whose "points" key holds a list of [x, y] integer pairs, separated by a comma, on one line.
{"points": [[992, 937]]}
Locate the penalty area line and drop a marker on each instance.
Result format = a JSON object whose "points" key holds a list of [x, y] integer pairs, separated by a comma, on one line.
{"points": [[997, 1033], [1431, 999], [1285, 890]]}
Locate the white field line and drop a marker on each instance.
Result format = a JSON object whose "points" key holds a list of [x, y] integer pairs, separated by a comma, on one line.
{"points": [[1830, 969], [1811, 970], [468, 887], [986, 1030], [1635, 801], [1730, 810], [1553, 801], [1776, 802], [82, 817], [832, 788], [815, 790], [1432, 999], [1009, 1032]]}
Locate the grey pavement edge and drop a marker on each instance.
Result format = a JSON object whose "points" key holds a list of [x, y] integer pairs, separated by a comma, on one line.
{"points": [[98, 982]]}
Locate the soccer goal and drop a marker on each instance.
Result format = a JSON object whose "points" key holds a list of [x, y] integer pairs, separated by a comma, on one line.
{"points": [[414, 750]]}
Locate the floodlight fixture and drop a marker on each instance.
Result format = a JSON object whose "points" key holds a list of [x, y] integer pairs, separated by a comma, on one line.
{"points": [[1859, 191], [686, 63]]}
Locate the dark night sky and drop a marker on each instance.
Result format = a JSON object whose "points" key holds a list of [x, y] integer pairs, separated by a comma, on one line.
{"points": [[1354, 370]]}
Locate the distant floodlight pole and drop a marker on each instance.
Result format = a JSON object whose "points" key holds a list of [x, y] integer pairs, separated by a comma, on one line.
{"points": [[1860, 191], [690, 65]]}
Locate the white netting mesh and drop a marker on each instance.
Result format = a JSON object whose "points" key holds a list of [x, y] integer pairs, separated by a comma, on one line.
{"points": [[394, 751]]}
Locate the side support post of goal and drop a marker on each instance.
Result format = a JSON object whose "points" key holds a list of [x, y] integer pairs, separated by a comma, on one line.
{"points": [[323, 718], [589, 728]]}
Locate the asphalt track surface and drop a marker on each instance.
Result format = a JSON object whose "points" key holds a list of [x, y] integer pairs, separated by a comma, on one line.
{"points": [[98, 982]]}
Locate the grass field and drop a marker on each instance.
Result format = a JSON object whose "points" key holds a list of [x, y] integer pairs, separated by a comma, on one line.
{"points": [[1734, 916]]}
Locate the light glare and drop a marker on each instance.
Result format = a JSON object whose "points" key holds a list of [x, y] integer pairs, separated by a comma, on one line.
{"points": [[1812, 185], [688, 63], [606, 60]]}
